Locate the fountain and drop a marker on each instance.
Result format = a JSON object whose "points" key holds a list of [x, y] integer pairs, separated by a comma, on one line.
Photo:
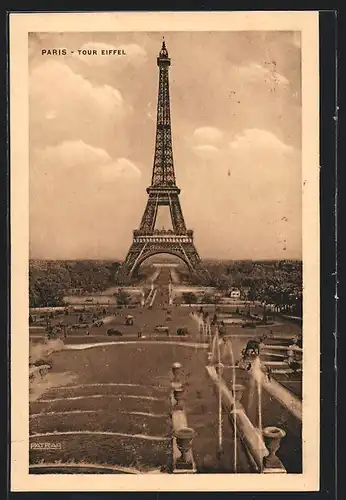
{"points": [[237, 392], [258, 439], [219, 343], [201, 331], [251, 362], [208, 332], [219, 370], [257, 374]]}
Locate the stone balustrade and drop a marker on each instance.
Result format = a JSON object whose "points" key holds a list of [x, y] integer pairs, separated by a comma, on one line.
{"points": [[182, 435]]}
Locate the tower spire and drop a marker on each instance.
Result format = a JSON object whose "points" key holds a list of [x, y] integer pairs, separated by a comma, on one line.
{"points": [[163, 168], [163, 51]]}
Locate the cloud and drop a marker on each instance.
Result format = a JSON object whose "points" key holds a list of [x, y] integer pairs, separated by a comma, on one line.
{"points": [[251, 140], [64, 104], [206, 142], [134, 55], [122, 167], [54, 84], [208, 135], [151, 111], [253, 187], [256, 138], [256, 73], [206, 151], [94, 161], [79, 200]]}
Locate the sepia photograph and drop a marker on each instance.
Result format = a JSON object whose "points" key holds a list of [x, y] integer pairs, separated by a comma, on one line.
{"points": [[171, 312]]}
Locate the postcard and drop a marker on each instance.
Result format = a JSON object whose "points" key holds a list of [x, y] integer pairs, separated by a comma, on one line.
{"points": [[164, 251]]}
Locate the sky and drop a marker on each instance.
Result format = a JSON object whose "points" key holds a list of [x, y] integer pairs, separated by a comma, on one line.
{"points": [[236, 127]]}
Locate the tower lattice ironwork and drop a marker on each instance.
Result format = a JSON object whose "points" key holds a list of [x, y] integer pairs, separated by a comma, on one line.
{"points": [[163, 191]]}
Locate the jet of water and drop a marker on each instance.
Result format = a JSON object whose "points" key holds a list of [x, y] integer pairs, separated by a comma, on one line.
{"points": [[231, 353], [257, 375], [217, 339]]}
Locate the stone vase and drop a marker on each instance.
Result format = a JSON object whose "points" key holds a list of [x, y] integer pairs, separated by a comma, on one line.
{"points": [[219, 369], [184, 438], [176, 371], [237, 391], [178, 391], [272, 438]]}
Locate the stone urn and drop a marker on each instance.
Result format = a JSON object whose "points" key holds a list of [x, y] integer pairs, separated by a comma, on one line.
{"points": [[272, 438], [176, 370], [237, 391], [178, 391], [176, 385], [219, 369], [184, 438]]}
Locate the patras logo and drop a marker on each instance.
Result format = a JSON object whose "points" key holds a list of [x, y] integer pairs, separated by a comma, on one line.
{"points": [[45, 446]]}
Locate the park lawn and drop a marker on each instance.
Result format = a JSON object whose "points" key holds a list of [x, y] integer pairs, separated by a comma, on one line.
{"points": [[144, 364], [105, 421], [111, 390], [104, 449], [102, 403], [147, 366]]}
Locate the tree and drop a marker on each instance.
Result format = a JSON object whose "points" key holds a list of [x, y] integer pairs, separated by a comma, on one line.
{"points": [[46, 292], [189, 298], [217, 299], [122, 298], [207, 298], [251, 297]]}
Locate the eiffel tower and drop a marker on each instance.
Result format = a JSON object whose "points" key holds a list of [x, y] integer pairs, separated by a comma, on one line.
{"points": [[147, 240]]}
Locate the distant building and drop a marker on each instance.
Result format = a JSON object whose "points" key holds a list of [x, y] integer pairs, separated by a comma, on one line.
{"points": [[234, 293]]}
